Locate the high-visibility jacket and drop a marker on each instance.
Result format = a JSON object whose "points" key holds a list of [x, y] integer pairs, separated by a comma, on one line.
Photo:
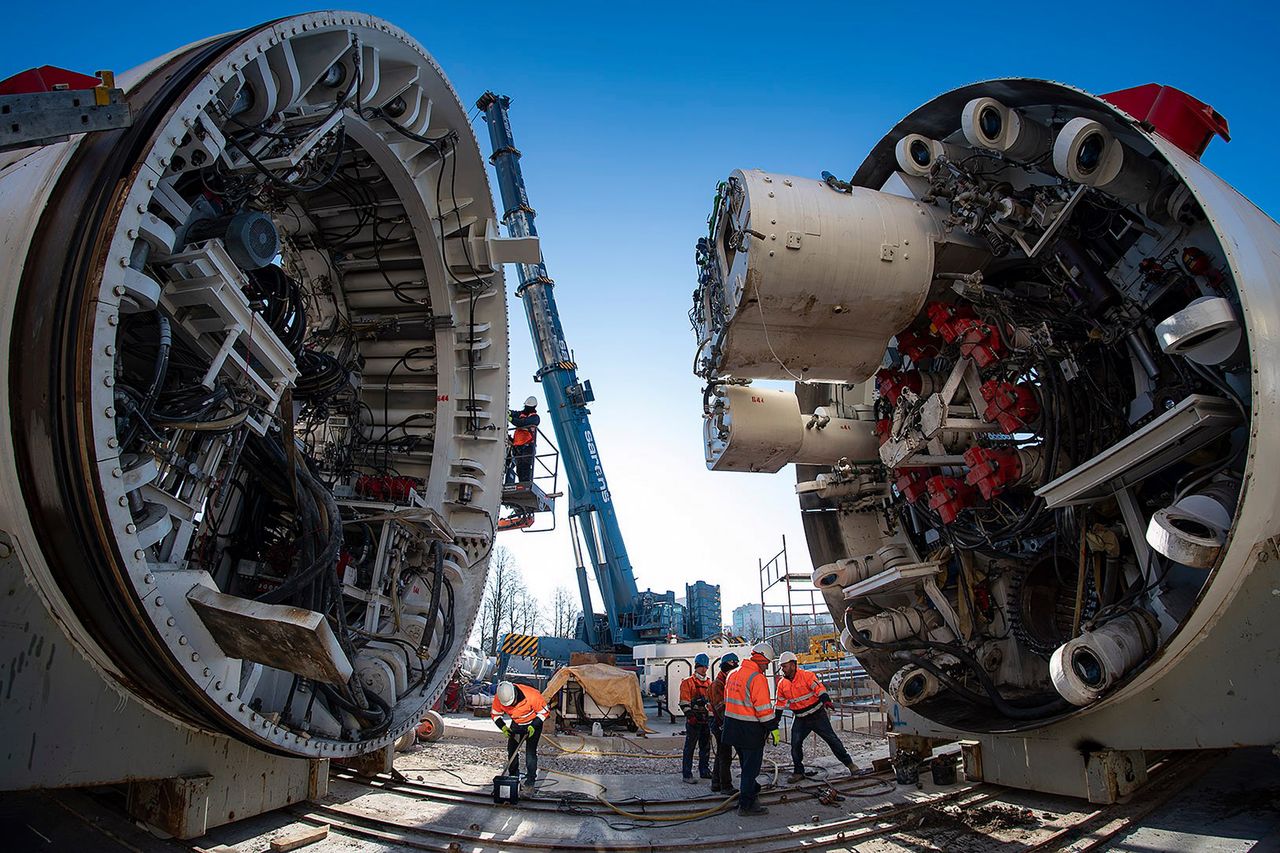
{"points": [[529, 706], [746, 694], [526, 428], [803, 694], [716, 695], [694, 687]]}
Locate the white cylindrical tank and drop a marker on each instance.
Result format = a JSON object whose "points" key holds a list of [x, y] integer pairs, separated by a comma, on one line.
{"points": [[762, 429], [817, 280], [1086, 667]]}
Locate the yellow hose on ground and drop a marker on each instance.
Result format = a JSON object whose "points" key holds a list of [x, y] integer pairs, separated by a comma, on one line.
{"points": [[642, 754], [600, 798], [673, 818]]}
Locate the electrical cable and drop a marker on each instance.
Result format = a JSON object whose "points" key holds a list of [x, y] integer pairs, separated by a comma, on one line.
{"points": [[1001, 704]]}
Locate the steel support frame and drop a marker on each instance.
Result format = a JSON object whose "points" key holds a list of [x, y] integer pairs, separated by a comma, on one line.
{"points": [[68, 724]]}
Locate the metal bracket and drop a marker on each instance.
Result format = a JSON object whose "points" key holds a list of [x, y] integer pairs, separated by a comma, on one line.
{"points": [[43, 118], [1194, 422], [1057, 223]]}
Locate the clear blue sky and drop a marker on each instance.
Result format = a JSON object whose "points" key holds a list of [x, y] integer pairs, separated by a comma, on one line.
{"points": [[628, 115]]}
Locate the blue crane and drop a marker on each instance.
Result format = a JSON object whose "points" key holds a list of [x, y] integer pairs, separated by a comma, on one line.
{"points": [[632, 616]]}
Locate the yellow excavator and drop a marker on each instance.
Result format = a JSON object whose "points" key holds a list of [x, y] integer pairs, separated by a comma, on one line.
{"points": [[822, 647]]}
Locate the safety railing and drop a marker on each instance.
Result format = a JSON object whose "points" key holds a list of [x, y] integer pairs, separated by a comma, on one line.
{"points": [[545, 477]]}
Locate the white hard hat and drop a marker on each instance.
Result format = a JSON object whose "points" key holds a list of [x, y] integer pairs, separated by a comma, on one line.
{"points": [[506, 693], [531, 403], [763, 649], [787, 657]]}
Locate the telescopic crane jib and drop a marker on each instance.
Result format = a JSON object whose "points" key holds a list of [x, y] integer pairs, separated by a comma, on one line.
{"points": [[632, 616]]}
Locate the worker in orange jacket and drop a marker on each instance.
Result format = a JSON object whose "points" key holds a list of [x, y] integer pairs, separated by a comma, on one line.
{"points": [[800, 692], [526, 709], [722, 768], [524, 442], [750, 720], [694, 704]]}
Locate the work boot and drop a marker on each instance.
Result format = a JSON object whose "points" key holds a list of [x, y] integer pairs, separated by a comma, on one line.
{"points": [[705, 774], [689, 780], [527, 789], [752, 811], [852, 768], [796, 777], [729, 791]]}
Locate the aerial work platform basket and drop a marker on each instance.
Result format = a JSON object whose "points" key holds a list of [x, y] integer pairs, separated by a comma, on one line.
{"points": [[523, 501]]}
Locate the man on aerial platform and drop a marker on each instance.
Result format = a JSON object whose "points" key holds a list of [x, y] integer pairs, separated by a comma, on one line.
{"points": [[524, 442]]}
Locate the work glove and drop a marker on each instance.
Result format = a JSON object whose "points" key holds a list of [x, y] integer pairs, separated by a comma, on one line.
{"points": [[506, 730], [773, 736], [530, 731], [829, 705]]}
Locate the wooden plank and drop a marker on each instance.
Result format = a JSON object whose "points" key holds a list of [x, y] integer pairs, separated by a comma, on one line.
{"points": [[299, 838], [288, 638]]}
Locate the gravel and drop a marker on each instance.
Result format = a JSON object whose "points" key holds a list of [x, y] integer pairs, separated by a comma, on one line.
{"points": [[476, 765]]}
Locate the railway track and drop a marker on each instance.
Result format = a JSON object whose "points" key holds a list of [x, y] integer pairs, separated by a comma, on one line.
{"points": [[363, 824], [1082, 832], [552, 801], [1100, 827]]}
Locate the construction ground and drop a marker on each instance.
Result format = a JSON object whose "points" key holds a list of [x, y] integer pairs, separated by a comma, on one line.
{"points": [[625, 793]]}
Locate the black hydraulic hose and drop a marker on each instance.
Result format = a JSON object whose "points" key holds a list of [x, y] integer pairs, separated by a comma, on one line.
{"points": [[371, 714], [162, 364], [1001, 704], [142, 412], [436, 588], [446, 642], [962, 692], [328, 556]]}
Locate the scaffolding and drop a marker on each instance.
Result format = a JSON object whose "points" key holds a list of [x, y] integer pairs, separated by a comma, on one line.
{"points": [[791, 607], [794, 617]]}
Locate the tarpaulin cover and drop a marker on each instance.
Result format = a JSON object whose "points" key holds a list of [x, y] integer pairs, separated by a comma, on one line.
{"points": [[607, 685]]}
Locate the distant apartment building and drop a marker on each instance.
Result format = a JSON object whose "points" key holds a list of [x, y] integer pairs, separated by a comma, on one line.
{"points": [[748, 621]]}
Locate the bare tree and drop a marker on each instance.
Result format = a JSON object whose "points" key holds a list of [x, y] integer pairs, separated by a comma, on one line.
{"points": [[564, 613], [526, 613], [502, 589], [508, 607]]}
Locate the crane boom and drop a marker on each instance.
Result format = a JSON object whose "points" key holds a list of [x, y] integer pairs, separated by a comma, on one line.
{"points": [[590, 503]]}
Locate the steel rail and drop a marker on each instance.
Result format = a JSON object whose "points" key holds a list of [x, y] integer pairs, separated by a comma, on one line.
{"points": [[552, 802], [1175, 774], [359, 823], [1169, 777]]}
